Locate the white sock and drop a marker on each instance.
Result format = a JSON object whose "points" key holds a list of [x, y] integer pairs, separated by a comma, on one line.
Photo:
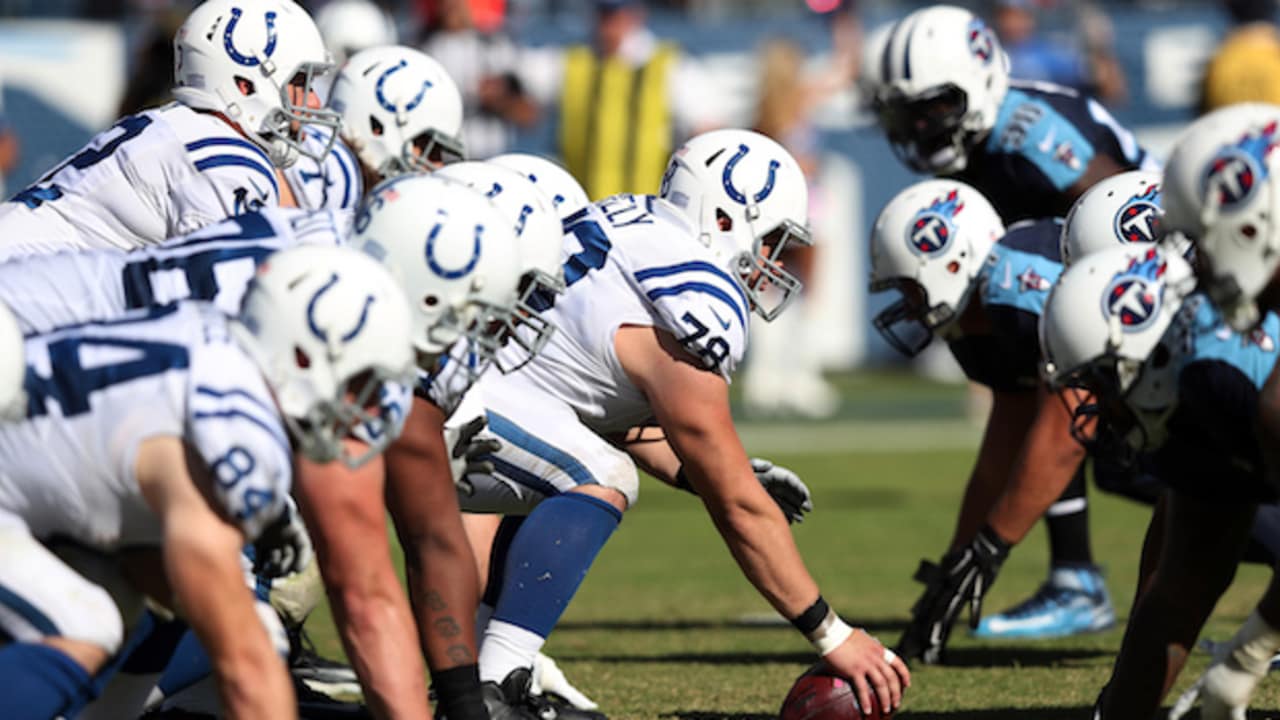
{"points": [[506, 647]]}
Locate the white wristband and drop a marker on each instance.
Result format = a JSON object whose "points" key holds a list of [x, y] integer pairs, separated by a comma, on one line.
{"points": [[830, 634]]}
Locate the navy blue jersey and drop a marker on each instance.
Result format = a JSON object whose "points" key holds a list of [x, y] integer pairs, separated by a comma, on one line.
{"points": [[1211, 450], [1012, 288], [1044, 138]]}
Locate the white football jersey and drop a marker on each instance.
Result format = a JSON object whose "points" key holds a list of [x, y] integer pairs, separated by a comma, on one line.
{"points": [[96, 391], [155, 175], [213, 264], [631, 260], [333, 184]]}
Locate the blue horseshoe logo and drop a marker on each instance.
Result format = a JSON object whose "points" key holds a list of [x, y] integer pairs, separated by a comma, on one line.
{"points": [[382, 99], [443, 271], [248, 61], [324, 334], [734, 193]]}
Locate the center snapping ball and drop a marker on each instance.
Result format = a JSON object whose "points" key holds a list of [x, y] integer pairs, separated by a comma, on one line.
{"points": [[818, 695]]}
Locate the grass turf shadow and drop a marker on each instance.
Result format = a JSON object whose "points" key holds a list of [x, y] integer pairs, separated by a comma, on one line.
{"points": [[971, 657], [706, 715], [871, 625]]}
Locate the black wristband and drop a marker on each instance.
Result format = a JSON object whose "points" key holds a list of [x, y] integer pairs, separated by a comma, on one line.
{"points": [[458, 695], [809, 620], [682, 482]]}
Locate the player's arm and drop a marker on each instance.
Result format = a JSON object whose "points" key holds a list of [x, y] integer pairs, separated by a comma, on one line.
{"points": [[1048, 459], [201, 559], [1008, 426], [346, 515], [443, 582], [691, 404], [649, 448]]}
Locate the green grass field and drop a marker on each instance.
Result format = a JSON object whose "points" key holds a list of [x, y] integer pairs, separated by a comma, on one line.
{"points": [[666, 627]]}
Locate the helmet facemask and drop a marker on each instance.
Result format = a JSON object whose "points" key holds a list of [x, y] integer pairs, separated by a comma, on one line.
{"points": [[359, 408], [767, 283], [929, 131], [281, 127], [909, 324], [523, 324]]}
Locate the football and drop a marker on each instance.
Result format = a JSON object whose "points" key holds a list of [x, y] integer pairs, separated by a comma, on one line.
{"points": [[818, 695]]}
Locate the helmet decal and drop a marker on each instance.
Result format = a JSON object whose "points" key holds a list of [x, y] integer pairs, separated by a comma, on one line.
{"points": [[321, 332], [229, 44], [932, 228], [737, 195], [382, 99], [981, 43], [1236, 170], [1134, 294], [1138, 219], [443, 271]]}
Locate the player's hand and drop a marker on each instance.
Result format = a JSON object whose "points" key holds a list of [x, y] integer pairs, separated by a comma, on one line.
{"points": [[1227, 685], [872, 668], [467, 454], [283, 547], [785, 487], [962, 579]]}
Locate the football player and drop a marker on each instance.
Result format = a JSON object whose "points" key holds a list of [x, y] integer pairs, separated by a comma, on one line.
{"points": [[400, 111], [1169, 377], [963, 278], [243, 87], [944, 98], [1220, 192], [214, 264], [192, 476], [649, 328]]}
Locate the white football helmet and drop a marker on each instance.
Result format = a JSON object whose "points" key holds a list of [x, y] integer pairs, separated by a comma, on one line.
{"points": [[929, 243], [400, 110], [1220, 189], [13, 368], [942, 78], [541, 237], [328, 328], [749, 201], [564, 190], [1108, 328], [240, 58], [349, 26], [454, 255], [1122, 209]]}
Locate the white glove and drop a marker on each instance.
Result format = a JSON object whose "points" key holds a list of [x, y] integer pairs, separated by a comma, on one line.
{"points": [[549, 678], [467, 454], [283, 547], [1225, 688], [785, 487]]}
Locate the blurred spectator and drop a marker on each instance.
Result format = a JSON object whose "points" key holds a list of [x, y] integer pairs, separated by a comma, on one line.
{"points": [[778, 379], [486, 66], [1246, 66], [626, 101], [1034, 56]]}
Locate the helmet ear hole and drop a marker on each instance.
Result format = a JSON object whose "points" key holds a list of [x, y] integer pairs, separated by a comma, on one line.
{"points": [[953, 267], [301, 358], [723, 220], [245, 85], [430, 301], [375, 126]]}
